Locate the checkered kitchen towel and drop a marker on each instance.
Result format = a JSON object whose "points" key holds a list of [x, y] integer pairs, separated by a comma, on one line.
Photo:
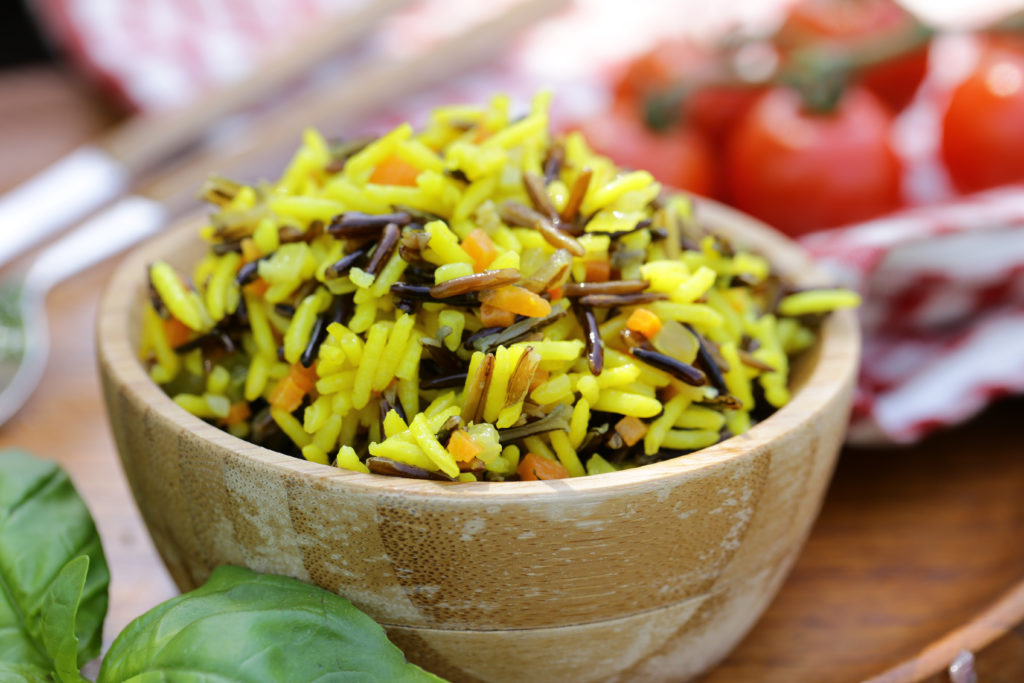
{"points": [[944, 285], [943, 312]]}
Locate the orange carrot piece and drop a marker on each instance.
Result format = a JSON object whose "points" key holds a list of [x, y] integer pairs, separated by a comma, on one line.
{"points": [[533, 467], [257, 287], [480, 248], [597, 270], [239, 412], [304, 377], [462, 446], [176, 331], [645, 322], [555, 293], [286, 395], [492, 316], [395, 171], [631, 429], [517, 300]]}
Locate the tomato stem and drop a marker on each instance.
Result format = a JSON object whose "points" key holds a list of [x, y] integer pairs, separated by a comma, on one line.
{"points": [[820, 73]]}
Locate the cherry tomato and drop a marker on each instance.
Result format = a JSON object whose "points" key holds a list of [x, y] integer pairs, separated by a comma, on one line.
{"points": [[847, 23], [654, 69], [679, 157], [713, 110], [802, 171], [982, 143]]}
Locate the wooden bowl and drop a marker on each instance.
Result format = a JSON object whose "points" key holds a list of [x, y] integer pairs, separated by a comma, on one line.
{"points": [[654, 573]]}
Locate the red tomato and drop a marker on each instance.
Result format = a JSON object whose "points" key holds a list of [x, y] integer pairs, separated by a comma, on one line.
{"points": [[982, 141], [680, 157], [846, 23], [802, 171], [713, 110], [654, 69]]}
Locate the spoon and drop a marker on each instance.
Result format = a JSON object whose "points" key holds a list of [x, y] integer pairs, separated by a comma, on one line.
{"points": [[24, 331]]}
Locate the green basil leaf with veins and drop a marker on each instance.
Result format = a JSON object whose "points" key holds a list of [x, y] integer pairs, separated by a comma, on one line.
{"points": [[11, 672], [47, 604], [58, 618], [255, 628]]}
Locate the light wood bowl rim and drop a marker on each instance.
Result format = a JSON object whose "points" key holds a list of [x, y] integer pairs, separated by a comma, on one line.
{"points": [[837, 359]]}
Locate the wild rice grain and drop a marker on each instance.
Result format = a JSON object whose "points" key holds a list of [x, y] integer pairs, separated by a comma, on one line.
{"points": [[488, 279], [578, 289], [386, 247], [358, 224], [706, 359], [247, 273], [422, 293], [400, 469], [356, 258], [678, 369], [537, 190], [595, 347], [472, 403], [616, 300], [576, 195]]}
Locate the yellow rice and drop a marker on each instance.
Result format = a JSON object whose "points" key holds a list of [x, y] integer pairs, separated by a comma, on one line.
{"points": [[364, 368]]}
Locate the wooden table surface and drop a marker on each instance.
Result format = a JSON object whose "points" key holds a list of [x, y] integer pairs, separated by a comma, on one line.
{"points": [[911, 543]]}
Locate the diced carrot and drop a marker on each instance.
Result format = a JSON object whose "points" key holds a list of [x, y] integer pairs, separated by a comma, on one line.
{"points": [[304, 377], [540, 375], [631, 429], [597, 270], [533, 467], [555, 293], [286, 395], [239, 412], [480, 248], [645, 322], [492, 316], [250, 252], [257, 287], [463, 447], [176, 331], [395, 171], [517, 300]]}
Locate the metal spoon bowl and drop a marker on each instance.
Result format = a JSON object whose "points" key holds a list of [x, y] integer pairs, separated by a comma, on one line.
{"points": [[24, 330]]}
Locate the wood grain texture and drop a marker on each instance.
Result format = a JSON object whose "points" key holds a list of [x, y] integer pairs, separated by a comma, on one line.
{"points": [[647, 574], [996, 635], [911, 544]]}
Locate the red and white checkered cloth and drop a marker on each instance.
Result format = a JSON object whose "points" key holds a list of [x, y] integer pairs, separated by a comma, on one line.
{"points": [[944, 284], [943, 313], [159, 54]]}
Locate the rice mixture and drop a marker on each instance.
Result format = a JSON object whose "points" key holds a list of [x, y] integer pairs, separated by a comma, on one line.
{"points": [[476, 301]]}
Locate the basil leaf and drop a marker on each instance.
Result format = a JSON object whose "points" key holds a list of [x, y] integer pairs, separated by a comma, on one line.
{"points": [[58, 617], [44, 525], [255, 628], [11, 672]]}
